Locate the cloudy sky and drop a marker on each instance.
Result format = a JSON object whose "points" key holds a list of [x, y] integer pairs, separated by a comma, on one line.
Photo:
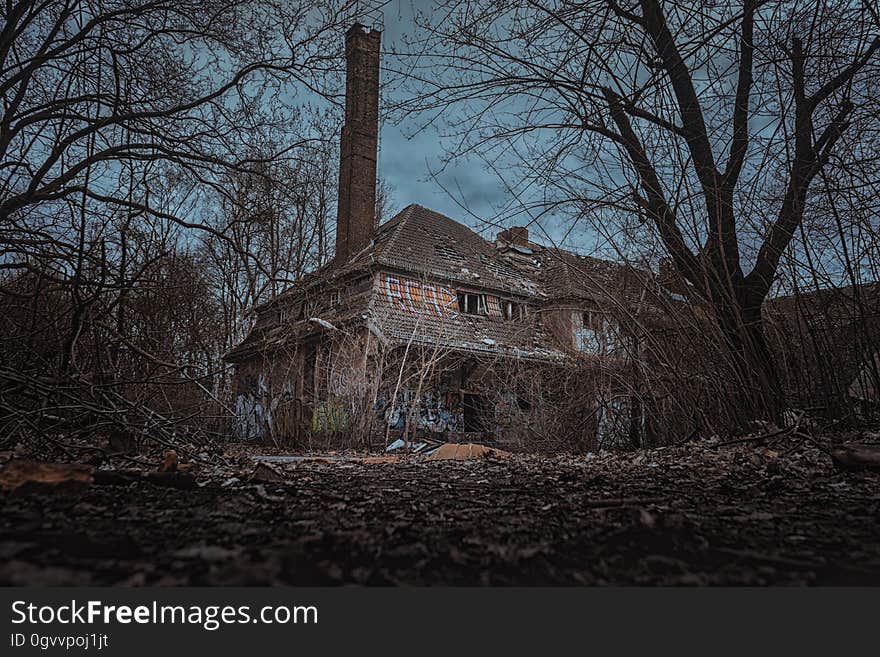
{"points": [[410, 155]]}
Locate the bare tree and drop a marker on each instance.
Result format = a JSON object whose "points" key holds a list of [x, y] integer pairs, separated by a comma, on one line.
{"points": [[713, 124], [277, 228], [125, 125]]}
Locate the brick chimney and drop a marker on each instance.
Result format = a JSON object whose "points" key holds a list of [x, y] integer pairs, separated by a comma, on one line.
{"points": [[356, 214], [518, 235]]}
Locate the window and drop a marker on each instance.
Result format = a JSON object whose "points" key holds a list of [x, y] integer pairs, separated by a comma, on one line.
{"points": [[471, 303], [512, 310], [334, 298], [596, 334], [288, 312], [587, 340]]}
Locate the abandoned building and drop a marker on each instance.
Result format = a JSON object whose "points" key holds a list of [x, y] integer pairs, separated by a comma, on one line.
{"points": [[418, 324], [421, 326], [826, 344]]}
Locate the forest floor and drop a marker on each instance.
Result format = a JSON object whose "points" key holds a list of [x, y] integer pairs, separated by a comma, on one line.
{"points": [[693, 515]]}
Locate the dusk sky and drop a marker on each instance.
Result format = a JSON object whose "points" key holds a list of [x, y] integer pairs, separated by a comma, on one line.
{"points": [[409, 154]]}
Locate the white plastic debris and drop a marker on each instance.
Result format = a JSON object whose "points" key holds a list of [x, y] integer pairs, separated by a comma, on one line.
{"points": [[401, 444], [489, 341], [397, 444], [323, 322]]}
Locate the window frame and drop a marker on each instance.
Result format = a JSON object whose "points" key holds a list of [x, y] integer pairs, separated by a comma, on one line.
{"points": [[602, 331], [517, 310], [478, 297]]}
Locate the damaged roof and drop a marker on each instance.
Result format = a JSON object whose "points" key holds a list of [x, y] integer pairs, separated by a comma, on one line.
{"points": [[419, 243], [421, 240], [456, 331]]}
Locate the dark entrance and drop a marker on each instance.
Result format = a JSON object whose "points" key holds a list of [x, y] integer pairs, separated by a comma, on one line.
{"points": [[474, 406]]}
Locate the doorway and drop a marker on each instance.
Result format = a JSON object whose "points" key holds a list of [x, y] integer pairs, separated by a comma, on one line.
{"points": [[474, 406]]}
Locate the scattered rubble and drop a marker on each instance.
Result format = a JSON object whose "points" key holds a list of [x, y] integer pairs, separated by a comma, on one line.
{"points": [[266, 474], [411, 446], [325, 459], [857, 457], [170, 462]]}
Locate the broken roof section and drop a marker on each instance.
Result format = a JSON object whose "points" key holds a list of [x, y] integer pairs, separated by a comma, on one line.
{"points": [[433, 246], [432, 257], [421, 240], [410, 311]]}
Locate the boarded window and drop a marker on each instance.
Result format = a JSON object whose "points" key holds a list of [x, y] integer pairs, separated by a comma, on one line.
{"points": [[419, 296]]}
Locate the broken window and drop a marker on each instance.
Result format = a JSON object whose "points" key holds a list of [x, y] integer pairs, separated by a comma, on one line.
{"points": [[512, 310], [587, 340], [596, 334], [471, 303]]}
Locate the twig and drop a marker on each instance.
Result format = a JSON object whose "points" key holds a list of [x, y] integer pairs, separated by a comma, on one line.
{"points": [[764, 436]]}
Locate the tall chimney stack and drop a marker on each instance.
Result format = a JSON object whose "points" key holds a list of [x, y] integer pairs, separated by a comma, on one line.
{"points": [[356, 214]]}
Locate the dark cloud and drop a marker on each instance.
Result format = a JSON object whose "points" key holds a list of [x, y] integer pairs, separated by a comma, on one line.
{"points": [[411, 156]]}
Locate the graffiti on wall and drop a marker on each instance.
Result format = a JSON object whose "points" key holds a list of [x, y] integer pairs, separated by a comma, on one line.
{"points": [[261, 414], [419, 296], [330, 415], [432, 411]]}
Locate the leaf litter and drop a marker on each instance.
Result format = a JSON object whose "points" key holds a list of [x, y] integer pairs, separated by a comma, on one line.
{"points": [[696, 514]]}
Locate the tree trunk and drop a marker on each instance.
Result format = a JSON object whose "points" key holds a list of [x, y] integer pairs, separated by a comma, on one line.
{"points": [[756, 393]]}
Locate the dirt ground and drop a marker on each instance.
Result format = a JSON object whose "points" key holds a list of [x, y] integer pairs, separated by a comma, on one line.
{"points": [[689, 515]]}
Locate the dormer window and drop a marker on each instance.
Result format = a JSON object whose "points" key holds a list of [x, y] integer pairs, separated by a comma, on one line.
{"points": [[512, 310], [471, 303]]}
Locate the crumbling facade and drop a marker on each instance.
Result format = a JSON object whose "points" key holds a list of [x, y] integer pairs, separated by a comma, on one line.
{"points": [[418, 329], [421, 326]]}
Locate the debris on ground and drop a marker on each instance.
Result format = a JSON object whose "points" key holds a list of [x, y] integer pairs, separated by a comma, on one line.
{"points": [[20, 475], [327, 459], [265, 473], [857, 457], [408, 445], [465, 452], [692, 514], [169, 462]]}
